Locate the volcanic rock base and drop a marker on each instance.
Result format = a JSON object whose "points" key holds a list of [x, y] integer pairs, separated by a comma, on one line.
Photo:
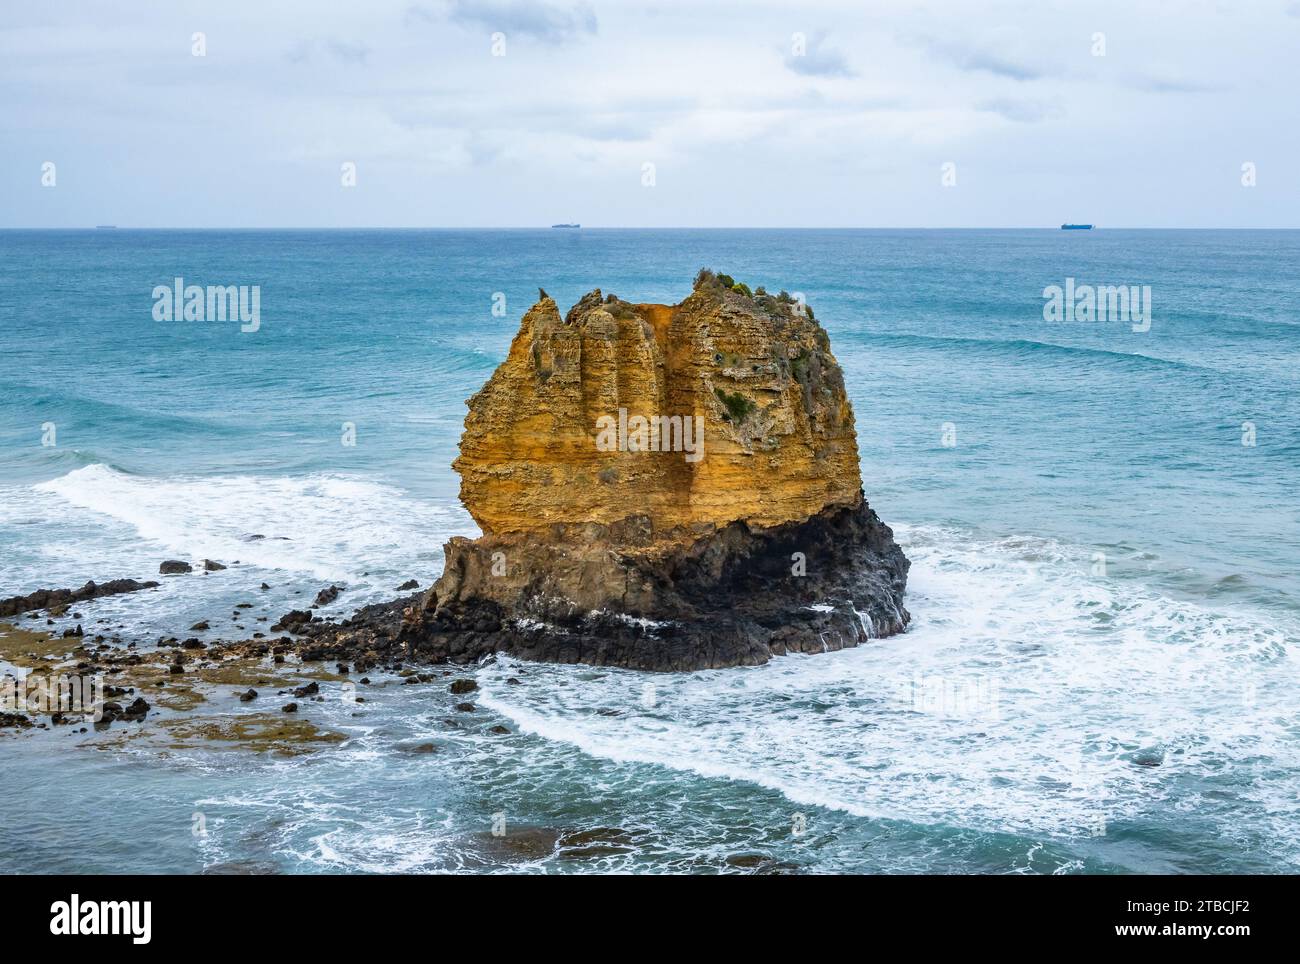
{"points": [[732, 597]]}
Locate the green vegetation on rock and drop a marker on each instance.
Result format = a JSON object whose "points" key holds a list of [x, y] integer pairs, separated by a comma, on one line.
{"points": [[737, 405]]}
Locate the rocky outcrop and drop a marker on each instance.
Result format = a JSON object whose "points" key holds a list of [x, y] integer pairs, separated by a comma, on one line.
{"points": [[60, 599], [756, 375], [663, 487]]}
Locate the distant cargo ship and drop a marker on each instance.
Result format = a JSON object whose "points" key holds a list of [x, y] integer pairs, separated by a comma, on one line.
{"points": [[1076, 227], [105, 227], [566, 225]]}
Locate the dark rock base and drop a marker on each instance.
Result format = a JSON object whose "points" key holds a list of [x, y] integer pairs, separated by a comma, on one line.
{"points": [[733, 597], [62, 598]]}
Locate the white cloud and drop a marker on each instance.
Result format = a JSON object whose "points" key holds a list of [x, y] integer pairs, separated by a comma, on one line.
{"points": [[444, 132], [552, 22]]}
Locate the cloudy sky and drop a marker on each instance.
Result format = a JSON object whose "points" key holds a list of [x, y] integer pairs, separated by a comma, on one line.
{"points": [[752, 113]]}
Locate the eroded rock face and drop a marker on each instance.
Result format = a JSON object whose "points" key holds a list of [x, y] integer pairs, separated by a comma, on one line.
{"points": [[757, 375], [663, 487]]}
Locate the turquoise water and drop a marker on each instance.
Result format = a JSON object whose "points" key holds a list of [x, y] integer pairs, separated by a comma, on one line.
{"points": [[1101, 675]]}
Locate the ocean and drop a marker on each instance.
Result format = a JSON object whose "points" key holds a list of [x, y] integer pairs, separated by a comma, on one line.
{"points": [[1103, 525]]}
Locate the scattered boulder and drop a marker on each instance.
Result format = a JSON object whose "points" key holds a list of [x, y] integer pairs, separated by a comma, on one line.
{"points": [[1149, 756], [289, 708], [327, 596], [111, 710], [210, 566], [462, 686], [199, 626], [409, 584], [746, 861], [248, 696], [310, 689], [292, 621], [108, 712], [175, 567], [596, 842], [466, 707], [138, 709], [521, 843]]}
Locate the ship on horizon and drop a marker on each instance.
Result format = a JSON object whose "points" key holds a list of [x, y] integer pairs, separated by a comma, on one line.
{"points": [[566, 225], [1076, 227]]}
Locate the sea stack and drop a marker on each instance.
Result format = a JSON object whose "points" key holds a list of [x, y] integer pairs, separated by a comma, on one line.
{"points": [[663, 487]]}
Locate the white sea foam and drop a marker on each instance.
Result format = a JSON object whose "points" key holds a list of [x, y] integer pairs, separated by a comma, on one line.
{"points": [[647, 626], [1028, 696], [527, 624], [327, 527]]}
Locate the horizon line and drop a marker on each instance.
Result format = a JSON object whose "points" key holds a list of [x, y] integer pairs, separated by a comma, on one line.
{"points": [[626, 227]]}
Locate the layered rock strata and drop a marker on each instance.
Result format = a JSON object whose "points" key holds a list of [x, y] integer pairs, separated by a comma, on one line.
{"points": [[664, 487]]}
